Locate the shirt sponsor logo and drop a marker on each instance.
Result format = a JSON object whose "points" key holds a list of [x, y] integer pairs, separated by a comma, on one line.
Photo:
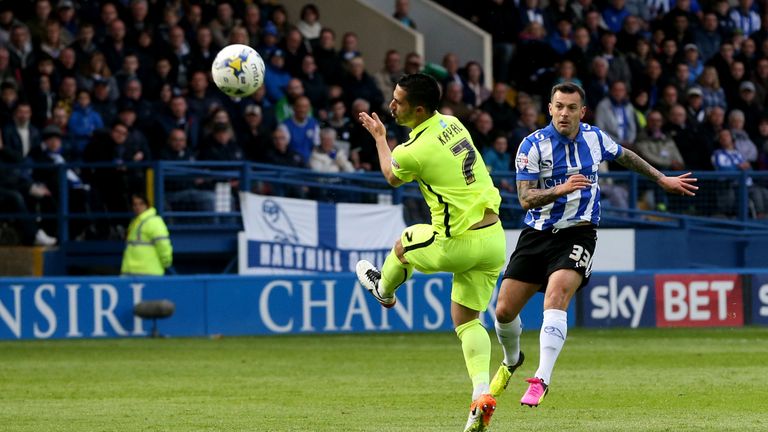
{"points": [[521, 161]]}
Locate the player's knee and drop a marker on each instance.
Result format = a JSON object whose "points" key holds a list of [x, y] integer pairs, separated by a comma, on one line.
{"points": [[400, 251], [504, 312], [557, 297]]}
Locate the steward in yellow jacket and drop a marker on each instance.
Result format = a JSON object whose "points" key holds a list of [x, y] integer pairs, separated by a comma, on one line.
{"points": [[148, 249]]}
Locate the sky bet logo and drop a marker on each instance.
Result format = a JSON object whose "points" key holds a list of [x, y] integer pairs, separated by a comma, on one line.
{"points": [[699, 300], [618, 301]]}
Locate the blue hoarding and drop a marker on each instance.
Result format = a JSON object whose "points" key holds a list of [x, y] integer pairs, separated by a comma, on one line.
{"points": [[227, 305]]}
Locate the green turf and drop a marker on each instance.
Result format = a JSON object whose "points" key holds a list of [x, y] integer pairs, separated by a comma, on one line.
{"points": [[612, 380]]}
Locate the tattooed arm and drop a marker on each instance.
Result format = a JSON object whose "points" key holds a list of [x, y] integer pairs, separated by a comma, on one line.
{"points": [[531, 196], [630, 160], [680, 185]]}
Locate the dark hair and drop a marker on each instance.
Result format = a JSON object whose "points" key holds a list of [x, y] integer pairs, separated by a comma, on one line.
{"points": [[309, 7], [142, 196], [421, 90], [569, 88]]}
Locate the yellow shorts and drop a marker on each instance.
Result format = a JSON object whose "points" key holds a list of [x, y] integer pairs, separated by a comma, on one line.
{"points": [[475, 258]]}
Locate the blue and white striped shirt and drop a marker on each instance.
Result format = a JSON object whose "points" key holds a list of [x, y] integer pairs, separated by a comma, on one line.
{"points": [[550, 158]]}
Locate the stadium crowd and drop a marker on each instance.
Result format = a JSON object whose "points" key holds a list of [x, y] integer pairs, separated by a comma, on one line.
{"points": [[683, 83]]}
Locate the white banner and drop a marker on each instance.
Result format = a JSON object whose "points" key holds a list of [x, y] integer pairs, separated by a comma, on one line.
{"points": [[287, 235]]}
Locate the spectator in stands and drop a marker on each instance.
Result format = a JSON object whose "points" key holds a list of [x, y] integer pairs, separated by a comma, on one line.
{"points": [[107, 14], [503, 114], [402, 13], [748, 105], [53, 41], [309, 23], [161, 74], [137, 140], [387, 76], [358, 84], [203, 51], [303, 128], [148, 250], [616, 116], [526, 125], [695, 106], [19, 136], [15, 189], [681, 80], [450, 65], [760, 79], [762, 144], [97, 70], [315, 87], [713, 94], [177, 116], [328, 61], [580, 52], [284, 106], [481, 130], [178, 55], [657, 148], [615, 14], [37, 23], [295, 50], [349, 47], [43, 101], [733, 80], [60, 119], [115, 47], [132, 94], [7, 73], [9, 98], [20, 47], [201, 97], [744, 18], [695, 65], [728, 158], [566, 72], [113, 185], [339, 121], [83, 122], [183, 193], [220, 145], [276, 77], [475, 92], [722, 60], [101, 103], [618, 68], [560, 38], [413, 64], [533, 58], [363, 153], [255, 138], [496, 17], [453, 99], [693, 146], [597, 83], [281, 153], [85, 43], [328, 157], [223, 23], [629, 35], [708, 37], [741, 140], [497, 159], [279, 17], [48, 155], [128, 71]]}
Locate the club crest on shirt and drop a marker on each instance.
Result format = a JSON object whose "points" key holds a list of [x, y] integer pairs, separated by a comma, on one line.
{"points": [[395, 164], [521, 161]]}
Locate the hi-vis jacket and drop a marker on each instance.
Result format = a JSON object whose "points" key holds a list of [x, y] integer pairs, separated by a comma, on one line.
{"points": [[148, 250]]}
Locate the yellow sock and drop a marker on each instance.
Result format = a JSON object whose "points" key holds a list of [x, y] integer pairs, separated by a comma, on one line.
{"points": [[477, 354], [393, 274]]}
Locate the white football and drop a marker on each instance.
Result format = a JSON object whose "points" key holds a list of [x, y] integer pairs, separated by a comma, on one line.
{"points": [[238, 70]]}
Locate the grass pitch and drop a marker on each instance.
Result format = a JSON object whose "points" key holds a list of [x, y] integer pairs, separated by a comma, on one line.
{"points": [[611, 380]]}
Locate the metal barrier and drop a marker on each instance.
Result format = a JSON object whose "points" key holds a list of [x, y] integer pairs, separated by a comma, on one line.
{"points": [[201, 195]]}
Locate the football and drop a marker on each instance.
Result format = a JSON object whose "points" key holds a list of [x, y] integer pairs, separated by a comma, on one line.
{"points": [[238, 70]]}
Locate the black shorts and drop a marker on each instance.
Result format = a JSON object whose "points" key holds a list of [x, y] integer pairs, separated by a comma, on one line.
{"points": [[538, 254]]}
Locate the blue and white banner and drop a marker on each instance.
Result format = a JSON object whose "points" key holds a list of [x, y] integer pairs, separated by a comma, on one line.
{"points": [[287, 235]]}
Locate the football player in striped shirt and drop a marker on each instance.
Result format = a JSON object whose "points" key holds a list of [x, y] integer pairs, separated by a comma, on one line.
{"points": [[557, 172]]}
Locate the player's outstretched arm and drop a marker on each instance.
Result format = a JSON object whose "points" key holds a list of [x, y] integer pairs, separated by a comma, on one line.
{"points": [[376, 128], [530, 196], [683, 184]]}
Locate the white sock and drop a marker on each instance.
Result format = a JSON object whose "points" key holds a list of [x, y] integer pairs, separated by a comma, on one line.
{"points": [[554, 329], [480, 389], [509, 338]]}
